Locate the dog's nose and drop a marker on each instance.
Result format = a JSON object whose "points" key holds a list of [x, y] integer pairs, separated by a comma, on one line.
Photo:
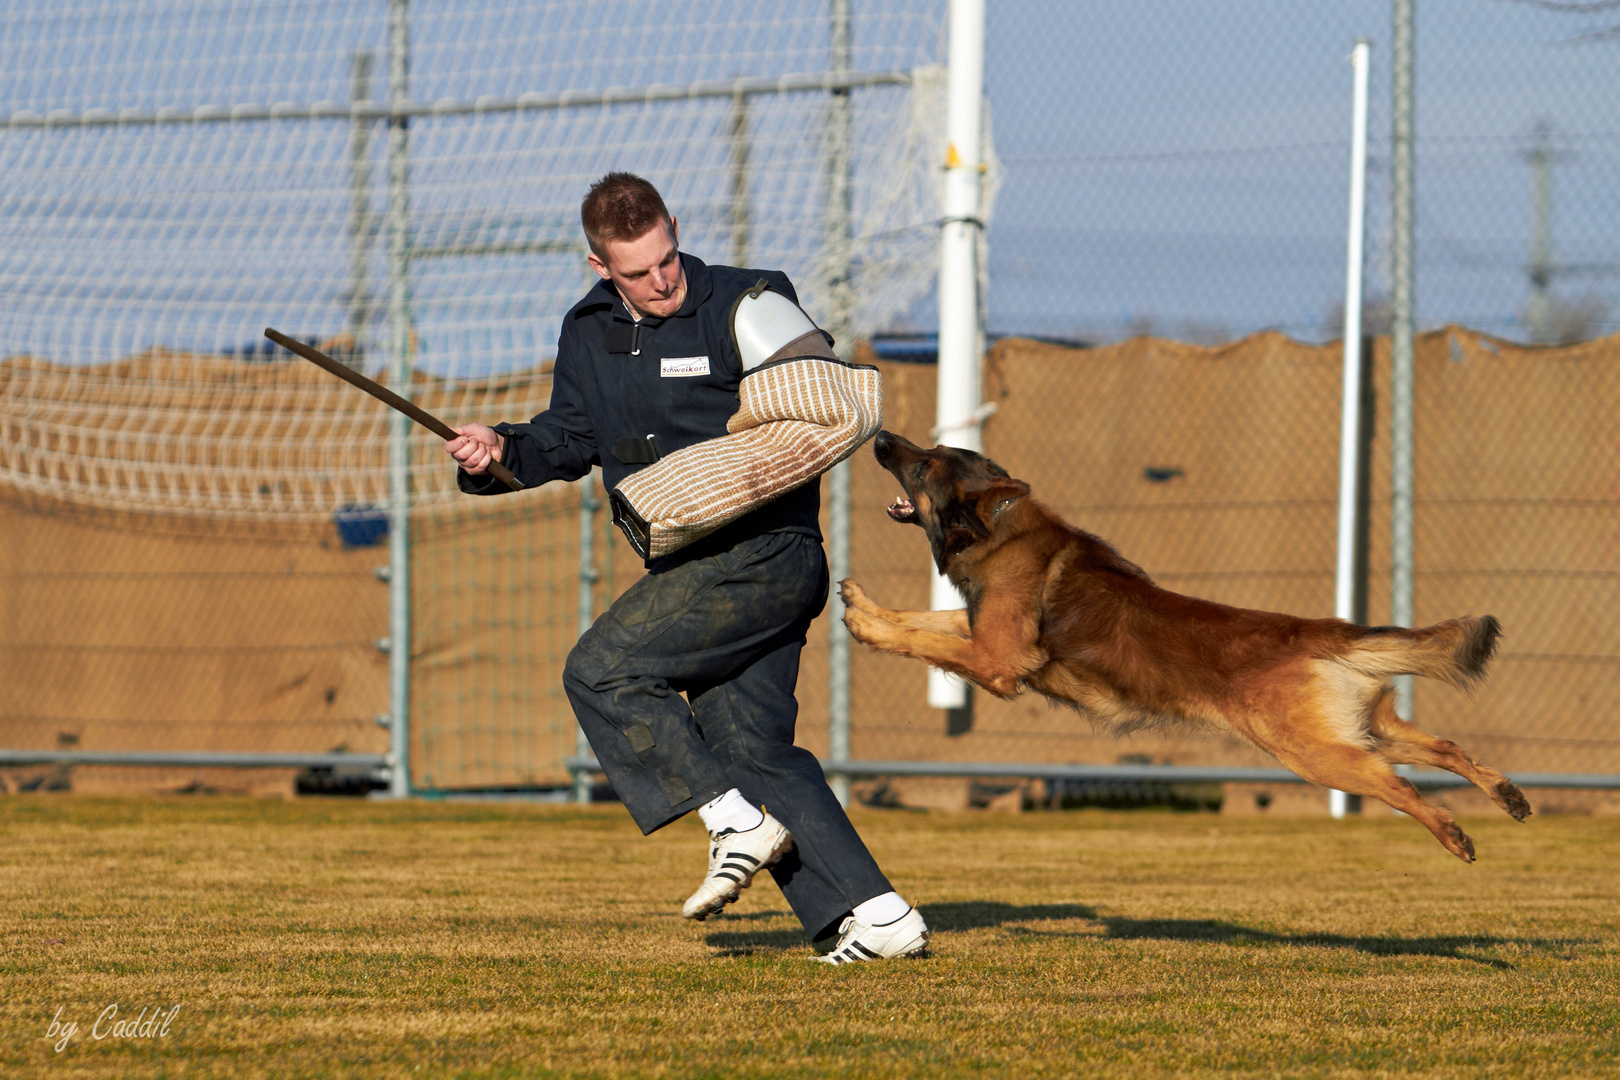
{"points": [[883, 442]]}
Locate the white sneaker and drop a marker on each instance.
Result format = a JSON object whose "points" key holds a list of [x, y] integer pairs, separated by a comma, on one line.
{"points": [[734, 859], [906, 936]]}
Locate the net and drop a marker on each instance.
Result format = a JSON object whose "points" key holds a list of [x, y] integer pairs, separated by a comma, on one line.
{"points": [[178, 178]]}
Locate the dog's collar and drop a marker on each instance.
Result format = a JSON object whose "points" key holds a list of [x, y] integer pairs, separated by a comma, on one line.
{"points": [[995, 515]]}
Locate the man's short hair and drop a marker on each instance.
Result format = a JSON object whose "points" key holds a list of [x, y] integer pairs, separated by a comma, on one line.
{"points": [[620, 206]]}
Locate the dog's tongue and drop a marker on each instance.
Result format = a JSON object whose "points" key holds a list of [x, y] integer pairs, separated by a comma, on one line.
{"points": [[902, 509]]}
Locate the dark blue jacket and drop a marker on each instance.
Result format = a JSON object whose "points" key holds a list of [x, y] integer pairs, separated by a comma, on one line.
{"points": [[611, 389]]}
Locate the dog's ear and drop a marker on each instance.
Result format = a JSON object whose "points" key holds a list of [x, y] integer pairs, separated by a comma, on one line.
{"points": [[985, 498], [1006, 486]]}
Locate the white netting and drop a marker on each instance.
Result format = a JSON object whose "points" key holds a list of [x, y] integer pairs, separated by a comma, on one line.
{"points": [[140, 261]]}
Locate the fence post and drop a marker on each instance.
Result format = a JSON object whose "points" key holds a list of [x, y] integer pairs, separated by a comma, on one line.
{"points": [[360, 227], [589, 504], [399, 379], [737, 125], [839, 324], [1401, 346]]}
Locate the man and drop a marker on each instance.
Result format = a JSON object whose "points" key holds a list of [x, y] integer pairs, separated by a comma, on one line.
{"points": [[646, 367]]}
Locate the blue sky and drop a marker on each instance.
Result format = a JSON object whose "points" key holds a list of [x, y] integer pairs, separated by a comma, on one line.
{"points": [[1170, 164], [1187, 163]]}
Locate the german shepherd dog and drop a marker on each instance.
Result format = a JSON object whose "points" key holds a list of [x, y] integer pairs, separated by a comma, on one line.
{"points": [[1057, 609]]}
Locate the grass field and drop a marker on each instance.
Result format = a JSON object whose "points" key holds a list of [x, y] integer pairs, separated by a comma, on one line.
{"points": [[335, 938]]}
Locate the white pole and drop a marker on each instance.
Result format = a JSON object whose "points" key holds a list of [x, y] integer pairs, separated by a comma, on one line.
{"points": [[957, 407], [1344, 592]]}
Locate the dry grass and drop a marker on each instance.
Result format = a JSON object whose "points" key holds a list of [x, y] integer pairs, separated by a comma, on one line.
{"points": [[328, 938]]}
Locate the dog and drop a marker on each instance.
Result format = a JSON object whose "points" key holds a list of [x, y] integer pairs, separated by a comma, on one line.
{"points": [[1058, 610]]}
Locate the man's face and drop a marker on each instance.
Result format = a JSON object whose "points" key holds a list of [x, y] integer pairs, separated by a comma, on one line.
{"points": [[646, 271]]}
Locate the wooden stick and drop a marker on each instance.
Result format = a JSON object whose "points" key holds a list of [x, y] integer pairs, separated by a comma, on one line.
{"points": [[387, 397]]}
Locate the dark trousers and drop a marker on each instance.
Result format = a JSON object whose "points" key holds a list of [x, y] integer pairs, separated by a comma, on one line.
{"points": [[725, 627]]}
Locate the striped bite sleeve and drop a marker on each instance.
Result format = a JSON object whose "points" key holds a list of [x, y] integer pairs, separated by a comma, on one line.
{"points": [[796, 419]]}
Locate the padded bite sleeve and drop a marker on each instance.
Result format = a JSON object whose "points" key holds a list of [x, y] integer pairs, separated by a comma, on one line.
{"points": [[797, 418]]}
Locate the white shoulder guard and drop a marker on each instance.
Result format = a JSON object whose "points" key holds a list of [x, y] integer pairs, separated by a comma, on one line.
{"points": [[763, 322]]}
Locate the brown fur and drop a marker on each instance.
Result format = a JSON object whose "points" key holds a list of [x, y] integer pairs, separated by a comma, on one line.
{"points": [[1057, 609]]}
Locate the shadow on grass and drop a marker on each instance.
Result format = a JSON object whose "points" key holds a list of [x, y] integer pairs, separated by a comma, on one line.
{"points": [[973, 915], [746, 940]]}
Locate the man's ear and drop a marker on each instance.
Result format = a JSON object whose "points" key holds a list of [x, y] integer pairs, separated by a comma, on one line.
{"points": [[599, 266]]}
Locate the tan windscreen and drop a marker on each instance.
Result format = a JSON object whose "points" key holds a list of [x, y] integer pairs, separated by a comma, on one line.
{"points": [[1215, 469]]}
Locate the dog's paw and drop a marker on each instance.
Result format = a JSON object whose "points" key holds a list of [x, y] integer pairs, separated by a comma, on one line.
{"points": [[1458, 843], [861, 626], [1511, 799], [853, 595]]}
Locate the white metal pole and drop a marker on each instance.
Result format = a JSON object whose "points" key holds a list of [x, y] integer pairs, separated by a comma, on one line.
{"points": [[399, 370], [1344, 591], [957, 409]]}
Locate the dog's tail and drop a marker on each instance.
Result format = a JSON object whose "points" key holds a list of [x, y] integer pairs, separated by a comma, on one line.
{"points": [[1456, 650]]}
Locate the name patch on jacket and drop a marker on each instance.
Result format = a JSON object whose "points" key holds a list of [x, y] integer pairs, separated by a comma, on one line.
{"points": [[683, 367]]}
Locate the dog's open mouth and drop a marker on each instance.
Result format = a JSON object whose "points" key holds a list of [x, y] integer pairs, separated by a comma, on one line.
{"points": [[902, 510]]}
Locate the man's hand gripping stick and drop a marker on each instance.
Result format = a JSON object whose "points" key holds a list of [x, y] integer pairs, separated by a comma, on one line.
{"points": [[387, 397]]}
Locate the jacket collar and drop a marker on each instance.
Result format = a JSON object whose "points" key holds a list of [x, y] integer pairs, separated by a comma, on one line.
{"points": [[699, 287]]}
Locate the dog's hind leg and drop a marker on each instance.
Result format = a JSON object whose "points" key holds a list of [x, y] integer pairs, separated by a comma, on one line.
{"points": [[1364, 772], [1404, 744], [1315, 720]]}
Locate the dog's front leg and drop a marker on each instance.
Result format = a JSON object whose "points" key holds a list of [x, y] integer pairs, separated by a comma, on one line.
{"points": [[954, 622], [1000, 652]]}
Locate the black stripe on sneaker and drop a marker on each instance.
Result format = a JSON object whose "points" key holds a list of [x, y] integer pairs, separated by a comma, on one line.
{"points": [[737, 866], [742, 855], [864, 949], [727, 876]]}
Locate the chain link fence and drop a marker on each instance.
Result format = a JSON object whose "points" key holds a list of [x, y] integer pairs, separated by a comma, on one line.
{"points": [[1171, 191], [192, 521], [1179, 169], [1174, 176]]}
